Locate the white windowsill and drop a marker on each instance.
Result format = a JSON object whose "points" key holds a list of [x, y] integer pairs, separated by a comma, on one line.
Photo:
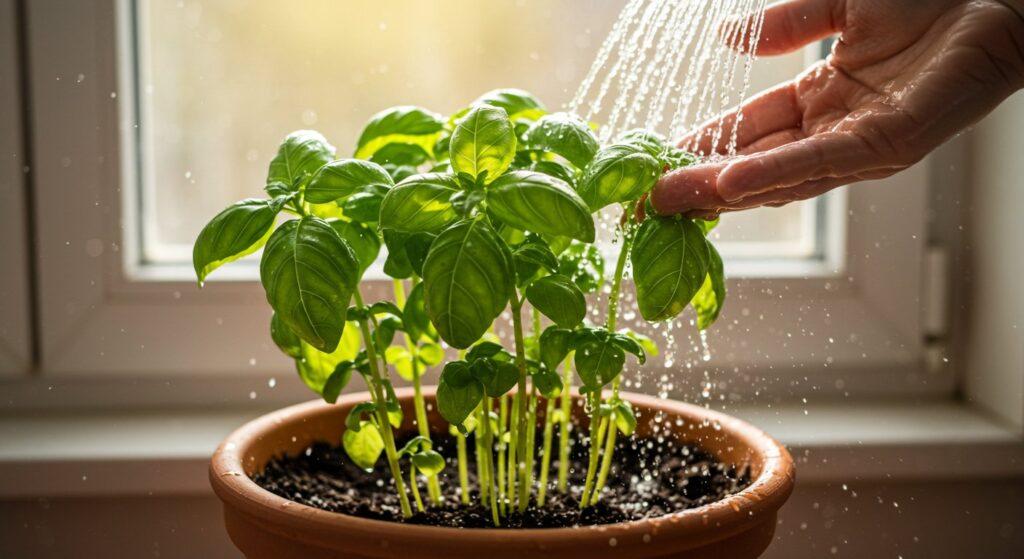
{"points": [[166, 452]]}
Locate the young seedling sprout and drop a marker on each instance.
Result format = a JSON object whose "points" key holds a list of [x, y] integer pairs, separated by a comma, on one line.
{"points": [[489, 211]]}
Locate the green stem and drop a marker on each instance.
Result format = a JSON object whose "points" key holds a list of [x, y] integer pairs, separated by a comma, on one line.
{"points": [[382, 413], [481, 453], [593, 402], [502, 426], [545, 460], [523, 497], [415, 489], [613, 307], [563, 427], [433, 485], [531, 439], [606, 462], [460, 443], [489, 447], [513, 432]]}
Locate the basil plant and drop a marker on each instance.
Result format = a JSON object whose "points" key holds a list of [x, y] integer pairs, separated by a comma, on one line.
{"points": [[489, 211]]}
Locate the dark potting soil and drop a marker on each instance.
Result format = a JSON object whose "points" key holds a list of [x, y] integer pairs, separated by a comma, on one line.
{"points": [[648, 479]]}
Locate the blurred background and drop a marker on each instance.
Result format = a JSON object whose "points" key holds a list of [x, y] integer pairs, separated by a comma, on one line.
{"points": [[878, 331]]}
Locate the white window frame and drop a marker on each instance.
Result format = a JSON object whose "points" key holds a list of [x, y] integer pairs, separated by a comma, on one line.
{"points": [[15, 294], [108, 336]]}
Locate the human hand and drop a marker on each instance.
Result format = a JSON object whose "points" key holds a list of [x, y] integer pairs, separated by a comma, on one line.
{"points": [[903, 77]]}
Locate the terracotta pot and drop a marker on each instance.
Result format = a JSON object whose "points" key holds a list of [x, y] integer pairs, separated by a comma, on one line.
{"points": [[263, 525]]}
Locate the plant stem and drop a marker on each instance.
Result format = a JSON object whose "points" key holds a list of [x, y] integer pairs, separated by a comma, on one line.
{"points": [[563, 427], [531, 439], [545, 460], [513, 432], [415, 489], [502, 423], [610, 324], [382, 413], [593, 403], [489, 447], [481, 452], [606, 463], [523, 497], [460, 443], [433, 485]]}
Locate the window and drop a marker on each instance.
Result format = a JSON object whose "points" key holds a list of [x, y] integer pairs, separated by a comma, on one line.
{"points": [[218, 84], [153, 116]]}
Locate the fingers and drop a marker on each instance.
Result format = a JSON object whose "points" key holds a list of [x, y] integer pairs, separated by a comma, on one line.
{"points": [[688, 188], [788, 26], [765, 114], [831, 154]]}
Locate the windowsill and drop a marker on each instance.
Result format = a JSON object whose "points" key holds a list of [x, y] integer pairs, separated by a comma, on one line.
{"points": [[151, 453]]}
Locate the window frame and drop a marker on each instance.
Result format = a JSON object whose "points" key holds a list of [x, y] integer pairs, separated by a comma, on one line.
{"points": [[175, 344], [15, 293]]}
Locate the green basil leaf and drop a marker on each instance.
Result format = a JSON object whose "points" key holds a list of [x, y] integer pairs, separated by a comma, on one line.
{"points": [[415, 445], [598, 360], [629, 344], [417, 247], [397, 264], [400, 125], [711, 295], [618, 173], [625, 419], [315, 367], [532, 256], [706, 226], [340, 179], [540, 203], [430, 354], [384, 307], [483, 350], [564, 134], [420, 203], [414, 315], [385, 331], [483, 143], [658, 147], [468, 278], [497, 377], [337, 381], [559, 299], [363, 446], [239, 230], [584, 264], [555, 169], [357, 416], [364, 241], [364, 206], [646, 343], [547, 382], [670, 261], [309, 274], [458, 392], [298, 158], [400, 358], [555, 345], [518, 104], [286, 340], [429, 462], [400, 155]]}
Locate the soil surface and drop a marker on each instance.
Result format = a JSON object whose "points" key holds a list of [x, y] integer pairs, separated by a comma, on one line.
{"points": [[648, 479]]}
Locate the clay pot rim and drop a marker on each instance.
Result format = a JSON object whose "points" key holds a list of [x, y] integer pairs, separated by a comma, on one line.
{"points": [[712, 522]]}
